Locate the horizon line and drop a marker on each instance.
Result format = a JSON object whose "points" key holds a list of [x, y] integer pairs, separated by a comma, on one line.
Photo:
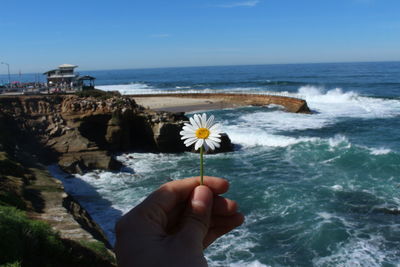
{"points": [[222, 65]]}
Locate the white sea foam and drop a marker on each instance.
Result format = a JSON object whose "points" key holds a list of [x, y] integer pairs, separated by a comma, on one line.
{"points": [[126, 89], [283, 121], [330, 104], [380, 151], [250, 137], [337, 187], [248, 264], [263, 128], [105, 195], [358, 252], [325, 215], [238, 242], [339, 141], [335, 103]]}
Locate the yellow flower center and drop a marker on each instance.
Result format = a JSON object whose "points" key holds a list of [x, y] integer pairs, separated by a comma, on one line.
{"points": [[202, 133]]}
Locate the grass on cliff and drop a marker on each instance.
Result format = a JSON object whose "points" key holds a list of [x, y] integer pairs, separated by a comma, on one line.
{"points": [[12, 178], [25, 242]]}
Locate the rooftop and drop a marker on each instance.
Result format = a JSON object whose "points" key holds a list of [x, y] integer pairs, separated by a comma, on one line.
{"points": [[67, 66]]}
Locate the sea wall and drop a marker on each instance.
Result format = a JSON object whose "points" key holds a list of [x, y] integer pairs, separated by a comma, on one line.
{"points": [[291, 104]]}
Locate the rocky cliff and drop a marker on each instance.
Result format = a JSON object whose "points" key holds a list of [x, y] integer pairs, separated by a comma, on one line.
{"points": [[81, 133], [27, 191]]}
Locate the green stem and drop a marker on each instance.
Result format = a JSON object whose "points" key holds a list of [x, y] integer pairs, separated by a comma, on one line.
{"points": [[201, 165]]}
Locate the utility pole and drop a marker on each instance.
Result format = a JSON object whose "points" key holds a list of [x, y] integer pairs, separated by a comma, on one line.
{"points": [[9, 77]]}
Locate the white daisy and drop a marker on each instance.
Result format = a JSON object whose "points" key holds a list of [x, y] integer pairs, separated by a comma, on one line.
{"points": [[201, 131]]}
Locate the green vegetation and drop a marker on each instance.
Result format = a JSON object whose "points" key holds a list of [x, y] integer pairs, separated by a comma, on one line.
{"points": [[14, 264], [34, 243], [12, 177], [99, 248], [97, 94], [10, 167], [27, 242]]}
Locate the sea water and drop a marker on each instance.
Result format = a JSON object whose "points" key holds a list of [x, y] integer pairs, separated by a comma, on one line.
{"points": [[315, 189]]}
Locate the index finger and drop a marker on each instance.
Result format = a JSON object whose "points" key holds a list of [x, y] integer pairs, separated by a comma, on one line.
{"points": [[175, 192]]}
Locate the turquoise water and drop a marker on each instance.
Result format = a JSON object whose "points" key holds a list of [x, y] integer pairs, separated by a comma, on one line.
{"points": [[315, 189]]}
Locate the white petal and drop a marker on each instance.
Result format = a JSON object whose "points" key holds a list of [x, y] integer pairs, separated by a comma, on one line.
{"points": [[187, 136], [190, 138], [206, 147], [214, 139], [217, 145], [214, 134], [190, 142], [189, 128], [210, 122], [215, 128], [210, 143], [199, 143], [194, 123], [197, 119], [204, 120], [187, 133]]}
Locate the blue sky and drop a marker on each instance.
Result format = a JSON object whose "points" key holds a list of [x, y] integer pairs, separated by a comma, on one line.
{"points": [[38, 35]]}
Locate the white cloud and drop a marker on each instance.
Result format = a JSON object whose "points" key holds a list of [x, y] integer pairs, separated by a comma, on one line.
{"points": [[250, 3], [160, 35]]}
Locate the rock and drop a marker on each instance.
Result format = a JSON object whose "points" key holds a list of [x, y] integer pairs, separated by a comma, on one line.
{"points": [[80, 132], [226, 144], [84, 219], [114, 136], [167, 137], [83, 161]]}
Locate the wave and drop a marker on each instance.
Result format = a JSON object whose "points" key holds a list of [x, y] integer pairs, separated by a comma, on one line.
{"points": [[269, 127], [359, 252], [126, 89], [258, 137], [380, 151], [228, 246], [336, 103]]}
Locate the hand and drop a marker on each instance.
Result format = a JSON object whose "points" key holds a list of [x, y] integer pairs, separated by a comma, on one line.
{"points": [[173, 225]]}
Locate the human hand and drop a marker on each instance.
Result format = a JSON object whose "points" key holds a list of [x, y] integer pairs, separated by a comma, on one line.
{"points": [[173, 225]]}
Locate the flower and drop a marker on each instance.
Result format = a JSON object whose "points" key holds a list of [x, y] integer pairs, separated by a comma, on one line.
{"points": [[201, 132]]}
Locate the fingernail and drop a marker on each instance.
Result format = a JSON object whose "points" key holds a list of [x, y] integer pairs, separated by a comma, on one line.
{"points": [[201, 200]]}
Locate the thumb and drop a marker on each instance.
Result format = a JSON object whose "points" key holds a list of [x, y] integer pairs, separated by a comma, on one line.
{"points": [[197, 216]]}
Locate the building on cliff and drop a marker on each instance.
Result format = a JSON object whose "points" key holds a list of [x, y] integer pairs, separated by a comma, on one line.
{"points": [[64, 78]]}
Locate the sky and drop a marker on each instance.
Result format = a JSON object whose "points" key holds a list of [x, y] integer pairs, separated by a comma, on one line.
{"points": [[36, 36]]}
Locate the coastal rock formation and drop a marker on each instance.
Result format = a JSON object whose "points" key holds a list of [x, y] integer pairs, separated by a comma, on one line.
{"points": [[81, 133], [27, 186]]}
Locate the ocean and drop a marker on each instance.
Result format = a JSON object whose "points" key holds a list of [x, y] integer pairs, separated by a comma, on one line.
{"points": [[316, 190]]}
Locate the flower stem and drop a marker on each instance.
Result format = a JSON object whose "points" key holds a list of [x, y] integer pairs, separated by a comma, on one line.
{"points": [[201, 165]]}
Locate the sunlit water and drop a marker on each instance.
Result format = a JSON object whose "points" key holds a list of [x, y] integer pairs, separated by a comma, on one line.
{"points": [[314, 188]]}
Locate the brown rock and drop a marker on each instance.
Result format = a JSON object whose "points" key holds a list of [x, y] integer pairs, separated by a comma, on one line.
{"points": [[167, 137], [81, 162]]}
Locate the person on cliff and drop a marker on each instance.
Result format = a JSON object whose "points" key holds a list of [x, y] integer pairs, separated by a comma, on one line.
{"points": [[175, 223]]}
